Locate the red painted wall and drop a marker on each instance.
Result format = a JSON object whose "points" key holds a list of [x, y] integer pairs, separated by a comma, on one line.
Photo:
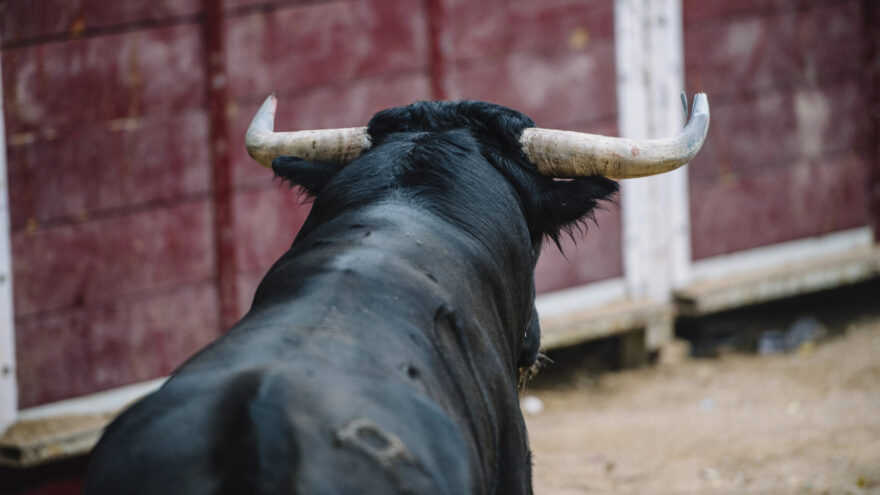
{"points": [[109, 192], [788, 154], [112, 155]]}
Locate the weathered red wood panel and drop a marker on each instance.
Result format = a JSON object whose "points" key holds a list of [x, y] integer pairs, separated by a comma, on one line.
{"points": [[107, 151], [471, 30], [751, 133], [781, 204], [79, 263], [80, 350], [762, 52], [52, 86], [22, 21], [303, 46], [116, 165], [480, 30], [553, 89], [787, 152]]}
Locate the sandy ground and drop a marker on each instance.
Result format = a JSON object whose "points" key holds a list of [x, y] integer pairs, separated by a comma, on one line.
{"points": [[803, 423]]}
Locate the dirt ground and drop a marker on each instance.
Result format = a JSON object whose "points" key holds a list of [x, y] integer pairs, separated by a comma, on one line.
{"points": [[801, 423]]}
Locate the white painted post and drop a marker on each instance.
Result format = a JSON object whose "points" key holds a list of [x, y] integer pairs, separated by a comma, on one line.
{"points": [[8, 387], [650, 76]]}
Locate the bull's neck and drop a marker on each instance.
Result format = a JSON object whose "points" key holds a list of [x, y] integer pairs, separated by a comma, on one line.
{"points": [[403, 249]]}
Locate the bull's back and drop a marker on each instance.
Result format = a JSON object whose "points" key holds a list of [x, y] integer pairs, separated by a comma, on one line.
{"points": [[281, 430]]}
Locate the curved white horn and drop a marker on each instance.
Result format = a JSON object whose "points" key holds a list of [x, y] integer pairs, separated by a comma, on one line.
{"points": [[576, 154], [325, 145]]}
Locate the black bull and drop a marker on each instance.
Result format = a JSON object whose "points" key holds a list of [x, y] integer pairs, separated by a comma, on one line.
{"points": [[381, 352]]}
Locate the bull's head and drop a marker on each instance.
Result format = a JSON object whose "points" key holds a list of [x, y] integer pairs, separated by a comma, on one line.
{"points": [[310, 158], [556, 153]]}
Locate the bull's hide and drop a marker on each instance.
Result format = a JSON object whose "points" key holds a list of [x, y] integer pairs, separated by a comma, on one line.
{"points": [[381, 352]]}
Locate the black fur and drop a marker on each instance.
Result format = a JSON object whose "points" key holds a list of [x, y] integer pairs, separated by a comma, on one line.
{"points": [[445, 134], [381, 352]]}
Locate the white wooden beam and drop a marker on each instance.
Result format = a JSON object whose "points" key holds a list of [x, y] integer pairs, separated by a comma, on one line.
{"points": [[781, 281], [8, 387], [650, 77], [783, 254], [66, 428], [580, 298]]}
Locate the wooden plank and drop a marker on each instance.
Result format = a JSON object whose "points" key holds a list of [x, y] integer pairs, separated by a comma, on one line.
{"points": [[780, 204], [552, 88], [109, 344], [32, 20], [308, 45], [776, 255], [66, 428], [51, 88], [580, 298], [29, 443], [75, 264], [349, 104], [710, 296], [96, 167], [757, 53], [611, 319]]}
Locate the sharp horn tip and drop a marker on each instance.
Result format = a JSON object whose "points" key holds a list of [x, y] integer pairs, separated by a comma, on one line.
{"points": [[271, 102], [701, 103], [264, 120]]}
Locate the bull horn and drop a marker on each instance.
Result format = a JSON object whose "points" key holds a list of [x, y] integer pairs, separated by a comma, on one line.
{"points": [[575, 154], [326, 145]]}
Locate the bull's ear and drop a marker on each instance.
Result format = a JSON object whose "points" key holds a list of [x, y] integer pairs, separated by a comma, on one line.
{"points": [[310, 176], [566, 205]]}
